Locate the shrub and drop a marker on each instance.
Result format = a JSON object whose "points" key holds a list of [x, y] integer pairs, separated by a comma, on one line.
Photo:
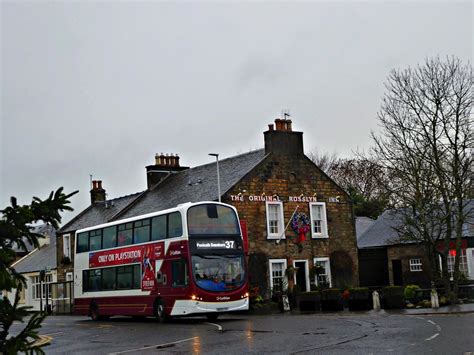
{"points": [[424, 304], [331, 299], [310, 301], [359, 293], [359, 299], [413, 293], [393, 297], [331, 294]]}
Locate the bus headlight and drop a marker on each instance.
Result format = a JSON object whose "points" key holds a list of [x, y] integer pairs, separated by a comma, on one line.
{"points": [[194, 297]]}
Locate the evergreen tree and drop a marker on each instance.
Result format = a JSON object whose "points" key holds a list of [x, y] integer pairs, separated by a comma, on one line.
{"points": [[15, 230]]}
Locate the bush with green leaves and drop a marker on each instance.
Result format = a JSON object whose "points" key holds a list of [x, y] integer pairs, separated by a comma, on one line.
{"points": [[412, 293], [359, 293], [15, 230], [393, 297]]}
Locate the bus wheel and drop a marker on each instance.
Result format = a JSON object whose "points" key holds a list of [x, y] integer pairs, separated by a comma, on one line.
{"points": [[212, 316], [160, 312]]}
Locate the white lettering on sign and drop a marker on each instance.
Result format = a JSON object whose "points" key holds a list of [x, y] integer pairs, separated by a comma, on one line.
{"points": [[175, 252], [222, 298], [228, 244], [274, 198], [302, 199]]}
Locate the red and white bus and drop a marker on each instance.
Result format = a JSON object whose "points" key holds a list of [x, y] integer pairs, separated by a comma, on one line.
{"points": [[181, 261]]}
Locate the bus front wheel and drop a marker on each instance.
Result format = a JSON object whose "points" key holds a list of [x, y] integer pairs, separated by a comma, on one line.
{"points": [[160, 313]]}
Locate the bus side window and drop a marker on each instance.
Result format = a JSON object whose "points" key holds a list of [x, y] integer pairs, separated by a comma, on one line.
{"points": [[159, 277], [175, 226], [158, 228]]}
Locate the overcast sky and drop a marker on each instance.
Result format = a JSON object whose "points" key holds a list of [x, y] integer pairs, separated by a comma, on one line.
{"points": [[100, 87]]}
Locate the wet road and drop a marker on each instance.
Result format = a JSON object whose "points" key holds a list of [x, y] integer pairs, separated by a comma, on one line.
{"points": [[342, 333]]}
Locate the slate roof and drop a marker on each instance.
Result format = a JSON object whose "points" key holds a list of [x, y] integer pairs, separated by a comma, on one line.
{"points": [[190, 185], [383, 231], [362, 224], [43, 229], [98, 213], [38, 259], [195, 184]]}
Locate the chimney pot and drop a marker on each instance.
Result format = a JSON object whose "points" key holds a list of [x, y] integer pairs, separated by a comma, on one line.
{"points": [[270, 127], [279, 124], [290, 129]]}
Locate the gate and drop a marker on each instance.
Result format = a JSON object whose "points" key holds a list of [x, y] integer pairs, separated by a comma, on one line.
{"points": [[62, 297]]}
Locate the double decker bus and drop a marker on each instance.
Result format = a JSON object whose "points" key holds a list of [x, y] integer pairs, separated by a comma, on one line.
{"points": [[182, 261]]}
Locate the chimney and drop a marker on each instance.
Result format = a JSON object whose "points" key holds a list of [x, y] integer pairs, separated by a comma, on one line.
{"points": [[282, 140], [164, 166], [97, 192]]}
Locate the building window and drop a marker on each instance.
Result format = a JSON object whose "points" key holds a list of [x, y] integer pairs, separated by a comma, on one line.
{"points": [[69, 276], [67, 245], [463, 268], [36, 286], [323, 272], [319, 227], [415, 265], [275, 220], [277, 275]]}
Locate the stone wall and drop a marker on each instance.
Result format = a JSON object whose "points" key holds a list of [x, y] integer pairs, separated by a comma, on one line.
{"points": [[296, 176], [405, 253]]}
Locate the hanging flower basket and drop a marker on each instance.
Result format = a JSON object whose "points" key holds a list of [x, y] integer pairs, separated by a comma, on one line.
{"points": [[300, 225]]}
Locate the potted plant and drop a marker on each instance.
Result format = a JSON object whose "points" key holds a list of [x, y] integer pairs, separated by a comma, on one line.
{"points": [[331, 300], [359, 299], [393, 297]]}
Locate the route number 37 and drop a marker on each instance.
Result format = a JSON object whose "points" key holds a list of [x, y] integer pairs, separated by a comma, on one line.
{"points": [[229, 244]]}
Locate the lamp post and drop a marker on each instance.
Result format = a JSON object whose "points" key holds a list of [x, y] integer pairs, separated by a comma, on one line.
{"points": [[218, 178]]}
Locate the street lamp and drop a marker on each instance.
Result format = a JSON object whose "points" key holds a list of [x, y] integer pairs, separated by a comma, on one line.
{"points": [[218, 179]]}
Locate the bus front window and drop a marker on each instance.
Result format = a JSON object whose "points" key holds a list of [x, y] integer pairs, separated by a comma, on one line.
{"points": [[218, 272]]}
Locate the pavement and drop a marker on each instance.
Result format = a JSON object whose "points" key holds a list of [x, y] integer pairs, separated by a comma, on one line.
{"points": [[451, 309]]}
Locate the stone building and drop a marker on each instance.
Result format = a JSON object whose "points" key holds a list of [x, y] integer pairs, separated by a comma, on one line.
{"points": [[270, 188], [385, 259]]}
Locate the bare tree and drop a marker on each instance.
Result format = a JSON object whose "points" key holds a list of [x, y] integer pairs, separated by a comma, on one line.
{"points": [[362, 178], [325, 161], [426, 143]]}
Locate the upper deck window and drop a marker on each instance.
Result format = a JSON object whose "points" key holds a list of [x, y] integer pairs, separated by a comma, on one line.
{"points": [[210, 219]]}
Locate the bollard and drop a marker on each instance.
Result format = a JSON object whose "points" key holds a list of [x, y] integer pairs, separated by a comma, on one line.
{"points": [[434, 298], [376, 300]]}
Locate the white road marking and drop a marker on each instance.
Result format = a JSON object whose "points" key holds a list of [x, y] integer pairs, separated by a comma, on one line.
{"points": [[432, 337], [219, 327], [154, 346]]}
